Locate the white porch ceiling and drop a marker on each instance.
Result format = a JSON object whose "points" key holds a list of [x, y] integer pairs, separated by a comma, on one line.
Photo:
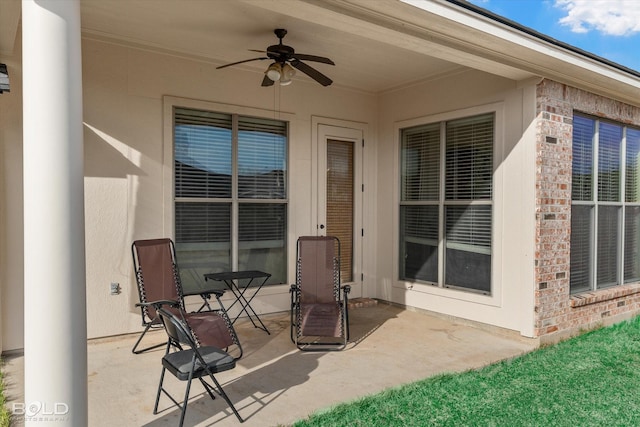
{"points": [[377, 45], [222, 31]]}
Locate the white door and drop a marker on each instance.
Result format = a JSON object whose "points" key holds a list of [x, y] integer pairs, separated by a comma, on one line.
{"points": [[340, 194]]}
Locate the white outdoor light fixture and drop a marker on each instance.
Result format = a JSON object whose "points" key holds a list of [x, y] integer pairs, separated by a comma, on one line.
{"points": [[274, 72], [280, 72], [287, 73]]}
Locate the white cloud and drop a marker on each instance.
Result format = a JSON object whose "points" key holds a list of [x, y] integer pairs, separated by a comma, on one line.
{"points": [[610, 17]]}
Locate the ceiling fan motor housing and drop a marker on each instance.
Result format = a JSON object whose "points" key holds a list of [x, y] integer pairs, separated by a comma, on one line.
{"points": [[280, 52]]}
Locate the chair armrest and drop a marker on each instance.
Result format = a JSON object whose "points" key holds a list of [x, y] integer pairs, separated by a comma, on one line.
{"points": [[205, 294], [345, 293], [159, 303], [293, 292]]}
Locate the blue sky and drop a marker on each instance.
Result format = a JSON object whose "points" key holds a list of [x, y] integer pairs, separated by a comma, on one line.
{"points": [[607, 28]]}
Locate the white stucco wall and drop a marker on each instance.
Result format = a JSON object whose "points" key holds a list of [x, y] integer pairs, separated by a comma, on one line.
{"points": [[126, 182], [469, 92], [11, 211], [125, 189]]}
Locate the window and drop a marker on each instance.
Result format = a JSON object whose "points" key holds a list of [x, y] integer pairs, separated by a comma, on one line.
{"points": [[230, 175], [605, 208], [446, 203]]}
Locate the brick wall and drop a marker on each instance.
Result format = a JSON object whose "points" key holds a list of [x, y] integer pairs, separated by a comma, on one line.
{"points": [[559, 314]]}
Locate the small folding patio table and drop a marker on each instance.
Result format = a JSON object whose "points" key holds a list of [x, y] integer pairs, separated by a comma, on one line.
{"points": [[239, 282]]}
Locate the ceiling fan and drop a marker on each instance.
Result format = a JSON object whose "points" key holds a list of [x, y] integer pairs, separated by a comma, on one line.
{"points": [[285, 61]]}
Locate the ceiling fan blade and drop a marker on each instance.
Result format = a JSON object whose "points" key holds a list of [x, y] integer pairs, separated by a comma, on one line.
{"points": [[266, 81], [240, 62], [304, 57], [312, 72]]}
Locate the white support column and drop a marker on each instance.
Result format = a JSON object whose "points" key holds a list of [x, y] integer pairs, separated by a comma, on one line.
{"points": [[55, 331]]}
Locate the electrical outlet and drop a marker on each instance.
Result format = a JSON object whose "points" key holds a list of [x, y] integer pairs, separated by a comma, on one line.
{"points": [[115, 288]]}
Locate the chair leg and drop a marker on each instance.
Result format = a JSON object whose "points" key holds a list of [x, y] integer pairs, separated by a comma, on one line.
{"points": [[155, 407], [292, 326], [186, 399], [346, 318], [208, 388], [134, 351], [225, 397], [161, 389]]}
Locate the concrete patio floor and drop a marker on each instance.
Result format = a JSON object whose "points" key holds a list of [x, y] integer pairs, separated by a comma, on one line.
{"points": [[274, 383]]}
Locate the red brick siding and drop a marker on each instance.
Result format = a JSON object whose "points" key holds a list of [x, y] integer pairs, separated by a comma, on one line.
{"points": [[556, 310]]}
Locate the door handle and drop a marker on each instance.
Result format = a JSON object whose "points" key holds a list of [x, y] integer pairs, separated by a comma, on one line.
{"points": [[321, 226]]}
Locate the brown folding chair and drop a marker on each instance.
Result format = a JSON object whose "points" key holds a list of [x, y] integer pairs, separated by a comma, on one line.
{"points": [[319, 305], [158, 280]]}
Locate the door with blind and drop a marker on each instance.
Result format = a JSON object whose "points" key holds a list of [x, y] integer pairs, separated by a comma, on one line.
{"points": [[340, 193]]}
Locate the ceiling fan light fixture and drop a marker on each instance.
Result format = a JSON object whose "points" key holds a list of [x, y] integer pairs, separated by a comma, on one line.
{"points": [[274, 72], [287, 73], [285, 59]]}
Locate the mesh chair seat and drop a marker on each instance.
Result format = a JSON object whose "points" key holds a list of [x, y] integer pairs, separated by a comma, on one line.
{"points": [[319, 305], [321, 320]]}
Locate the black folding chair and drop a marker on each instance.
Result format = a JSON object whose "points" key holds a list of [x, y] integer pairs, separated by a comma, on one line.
{"points": [[191, 361]]}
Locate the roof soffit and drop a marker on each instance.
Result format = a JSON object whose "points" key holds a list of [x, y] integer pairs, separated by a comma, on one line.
{"points": [[443, 30], [398, 43]]}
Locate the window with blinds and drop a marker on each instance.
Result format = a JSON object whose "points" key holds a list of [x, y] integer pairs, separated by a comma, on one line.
{"points": [[446, 203], [230, 177], [605, 224]]}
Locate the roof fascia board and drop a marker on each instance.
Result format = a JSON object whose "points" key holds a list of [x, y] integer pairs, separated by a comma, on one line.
{"points": [[541, 36], [520, 49], [502, 35]]}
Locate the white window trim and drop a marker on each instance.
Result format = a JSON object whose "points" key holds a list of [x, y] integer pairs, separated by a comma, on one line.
{"points": [[495, 299]]}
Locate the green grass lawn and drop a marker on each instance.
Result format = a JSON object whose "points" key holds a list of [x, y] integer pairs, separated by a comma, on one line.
{"points": [[590, 380], [4, 411]]}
